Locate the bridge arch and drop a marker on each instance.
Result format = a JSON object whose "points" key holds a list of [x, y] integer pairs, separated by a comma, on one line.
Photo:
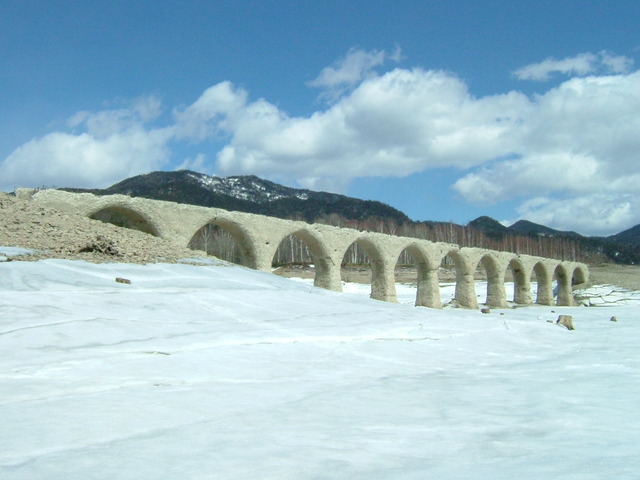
{"points": [[215, 240], [580, 275], [244, 241], [124, 216], [413, 255], [326, 273], [427, 259], [382, 265], [544, 280]]}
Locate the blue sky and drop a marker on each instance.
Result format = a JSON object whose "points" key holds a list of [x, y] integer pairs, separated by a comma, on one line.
{"points": [[446, 110]]}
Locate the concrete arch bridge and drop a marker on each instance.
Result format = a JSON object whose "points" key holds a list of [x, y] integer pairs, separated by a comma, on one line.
{"points": [[258, 238]]}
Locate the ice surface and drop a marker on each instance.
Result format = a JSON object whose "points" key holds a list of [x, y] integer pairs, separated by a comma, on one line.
{"points": [[6, 252], [220, 372]]}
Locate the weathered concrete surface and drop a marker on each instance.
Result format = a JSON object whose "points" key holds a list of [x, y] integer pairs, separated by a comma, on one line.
{"points": [[259, 236]]}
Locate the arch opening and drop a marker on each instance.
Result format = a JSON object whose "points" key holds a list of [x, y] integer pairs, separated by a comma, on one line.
{"points": [[480, 280], [355, 266], [292, 251], [126, 218], [300, 254], [453, 281], [406, 273], [380, 270], [415, 269], [447, 270], [579, 276], [219, 241], [405, 268]]}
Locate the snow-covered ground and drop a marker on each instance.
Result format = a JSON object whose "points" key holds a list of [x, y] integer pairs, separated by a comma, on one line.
{"points": [[220, 372]]}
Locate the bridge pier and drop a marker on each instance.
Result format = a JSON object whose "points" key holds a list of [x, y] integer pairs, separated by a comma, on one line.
{"points": [[496, 294], [565, 296], [521, 280], [383, 280], [522, 291], [327, 274], [545, 293], [466, 290], [428, 294]]}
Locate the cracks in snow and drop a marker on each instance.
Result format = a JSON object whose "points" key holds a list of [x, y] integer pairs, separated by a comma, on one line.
{"points": [[50, 324], [606, 295]]}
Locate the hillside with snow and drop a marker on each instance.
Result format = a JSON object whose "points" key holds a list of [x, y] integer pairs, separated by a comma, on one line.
{"points": [[217, 371], [247, 193]]}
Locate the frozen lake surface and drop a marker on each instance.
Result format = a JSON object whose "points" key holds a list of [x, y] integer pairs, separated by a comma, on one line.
{"points": [[203, 372]]}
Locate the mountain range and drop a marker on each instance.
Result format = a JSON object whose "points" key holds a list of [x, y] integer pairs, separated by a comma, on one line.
{"points": [[523, 227], [490, 226], [252, 194]]}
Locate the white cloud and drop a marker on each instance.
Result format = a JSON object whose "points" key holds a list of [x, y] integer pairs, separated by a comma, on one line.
{"points": [[210, 114], [583, 136], [578, 140], [109, 122], [197, 164], [578, 143], [396, 124], [350, 70], [599, 214], [112, 145], [582, 64], [615, 63], [537, 174]]}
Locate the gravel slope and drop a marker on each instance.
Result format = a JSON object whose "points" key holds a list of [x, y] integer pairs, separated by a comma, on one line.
{"points": [[61, 235]]}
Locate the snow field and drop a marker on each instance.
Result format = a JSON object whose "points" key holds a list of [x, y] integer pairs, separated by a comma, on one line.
{"points": [[202, 372]]}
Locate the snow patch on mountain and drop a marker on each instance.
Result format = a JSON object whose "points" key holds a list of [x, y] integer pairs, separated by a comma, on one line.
{"points": [[248, 188]]}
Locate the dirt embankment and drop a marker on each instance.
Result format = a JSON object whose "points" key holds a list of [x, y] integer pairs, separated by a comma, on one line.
{"points": [[625, 276], [56, 234]]}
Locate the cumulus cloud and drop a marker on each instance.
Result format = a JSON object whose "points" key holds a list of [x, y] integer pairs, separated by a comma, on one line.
{"points": [[396, 124], [106, 123], [211, 114], [576, 144], [582, 136], [61, 159], [582, 64], [350, 70], [198, 164], [102, 148], [540, 174], [599, 214], [578, 147]]}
